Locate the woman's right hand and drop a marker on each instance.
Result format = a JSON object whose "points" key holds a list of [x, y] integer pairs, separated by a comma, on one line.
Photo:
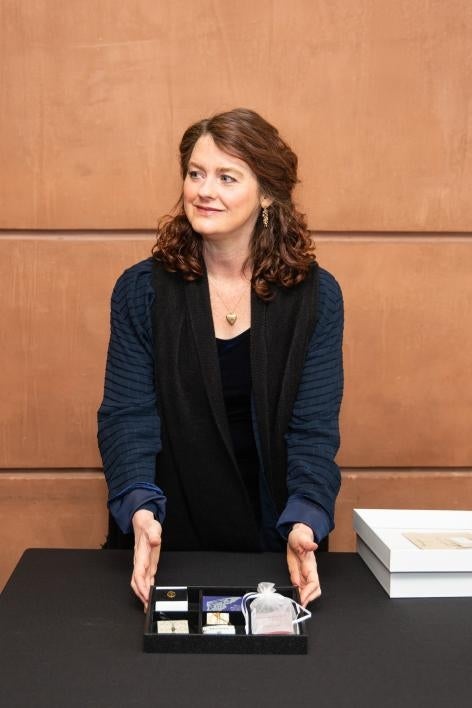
{"points": [[147, 549]]}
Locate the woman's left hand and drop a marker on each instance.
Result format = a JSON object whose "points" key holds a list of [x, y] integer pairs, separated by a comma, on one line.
{"points": [[301, 562]]}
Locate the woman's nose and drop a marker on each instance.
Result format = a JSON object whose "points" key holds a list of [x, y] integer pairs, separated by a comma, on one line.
{"points": [[207, 188]]}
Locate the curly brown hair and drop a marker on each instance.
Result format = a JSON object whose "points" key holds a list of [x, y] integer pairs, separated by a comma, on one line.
{"points": [[280, 254]]}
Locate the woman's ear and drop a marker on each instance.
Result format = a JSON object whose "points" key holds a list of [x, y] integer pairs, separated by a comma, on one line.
{"points": [[266, 202]]}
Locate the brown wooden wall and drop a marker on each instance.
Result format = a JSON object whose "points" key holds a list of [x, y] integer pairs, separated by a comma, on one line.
{"points": [[375, 96]]}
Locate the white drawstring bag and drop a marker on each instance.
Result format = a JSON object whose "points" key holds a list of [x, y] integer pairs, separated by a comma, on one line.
{"points": [[272, 613]]}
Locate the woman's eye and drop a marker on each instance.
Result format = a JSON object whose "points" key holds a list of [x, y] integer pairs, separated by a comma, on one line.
{"points": [[227, 179], [193, 174]]}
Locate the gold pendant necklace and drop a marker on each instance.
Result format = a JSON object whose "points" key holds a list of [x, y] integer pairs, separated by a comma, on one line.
{"points": [[231, 315]]}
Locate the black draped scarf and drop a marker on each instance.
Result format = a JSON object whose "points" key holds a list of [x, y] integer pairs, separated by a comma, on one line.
{"points": [[207, 502]]}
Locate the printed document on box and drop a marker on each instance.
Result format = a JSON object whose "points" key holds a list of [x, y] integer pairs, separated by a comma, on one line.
{"points": [[445, 540]]}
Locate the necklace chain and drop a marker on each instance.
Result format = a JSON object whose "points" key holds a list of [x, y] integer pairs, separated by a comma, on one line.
{"points": [[231, 315]]}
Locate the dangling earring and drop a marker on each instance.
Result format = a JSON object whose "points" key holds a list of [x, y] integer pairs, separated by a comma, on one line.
{"points": [[265, 217]]}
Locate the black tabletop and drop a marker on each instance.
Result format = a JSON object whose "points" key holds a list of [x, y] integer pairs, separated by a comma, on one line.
{"points": [[71, 636]]}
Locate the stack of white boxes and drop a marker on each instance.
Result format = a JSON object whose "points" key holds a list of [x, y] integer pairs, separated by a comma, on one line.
{"points": [[406, 570]]}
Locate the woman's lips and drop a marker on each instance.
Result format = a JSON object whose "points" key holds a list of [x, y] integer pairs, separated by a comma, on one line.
{"points": [[206, 210]]}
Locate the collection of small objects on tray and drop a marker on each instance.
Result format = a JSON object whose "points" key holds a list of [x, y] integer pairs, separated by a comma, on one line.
{"points": [[263, 612]]}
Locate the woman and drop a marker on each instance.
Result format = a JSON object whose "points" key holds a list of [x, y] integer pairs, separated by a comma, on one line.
{"points": [[224, 371]]}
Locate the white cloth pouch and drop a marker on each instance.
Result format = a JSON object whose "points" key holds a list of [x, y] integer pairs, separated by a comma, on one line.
{"points": [[272, 613]]}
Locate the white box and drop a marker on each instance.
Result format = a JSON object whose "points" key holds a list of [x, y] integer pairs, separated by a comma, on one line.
{"points": [[403, 569]]}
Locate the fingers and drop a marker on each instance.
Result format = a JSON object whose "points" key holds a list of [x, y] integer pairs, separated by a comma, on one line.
{"points": [[309, 584], [309, 593], [146, 557], [309, 587], [302, 566], [151, 574], [139, 579], [293, 568]]}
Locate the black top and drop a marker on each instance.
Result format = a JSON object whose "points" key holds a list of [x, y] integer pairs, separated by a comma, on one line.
{"points": [[235, 366]]}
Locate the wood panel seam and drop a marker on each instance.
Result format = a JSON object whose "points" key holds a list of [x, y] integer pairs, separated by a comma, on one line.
{"points": [[330, 236]]}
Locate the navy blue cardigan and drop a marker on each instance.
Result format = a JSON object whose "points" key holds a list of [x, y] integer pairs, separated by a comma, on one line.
{"points": [[129, 426]]}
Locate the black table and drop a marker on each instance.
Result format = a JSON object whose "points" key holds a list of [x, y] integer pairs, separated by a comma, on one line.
{"points": [[71, 636]]}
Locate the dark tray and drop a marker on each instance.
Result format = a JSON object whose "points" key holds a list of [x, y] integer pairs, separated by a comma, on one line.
{"points": [[239, 643]]}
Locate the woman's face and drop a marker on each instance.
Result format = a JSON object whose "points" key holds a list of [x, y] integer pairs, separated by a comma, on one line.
{"points": [[222, 199]]}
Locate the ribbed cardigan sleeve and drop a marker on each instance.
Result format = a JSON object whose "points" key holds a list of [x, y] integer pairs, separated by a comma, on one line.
{"points": [[128, 424], [313, 435]]}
